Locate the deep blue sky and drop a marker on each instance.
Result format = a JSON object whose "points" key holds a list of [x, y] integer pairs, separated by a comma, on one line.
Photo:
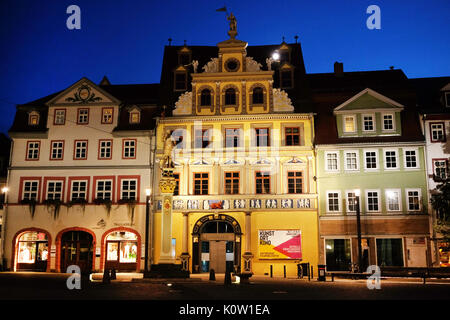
{"points": [[124, 39]]}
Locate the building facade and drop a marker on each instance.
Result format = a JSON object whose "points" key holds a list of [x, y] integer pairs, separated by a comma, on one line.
{"points": [[78, 176], [371, 154]]}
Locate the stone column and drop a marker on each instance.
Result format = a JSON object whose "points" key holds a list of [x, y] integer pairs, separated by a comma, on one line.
{"points": [[248, 256], [185, 244], [167, 185]]}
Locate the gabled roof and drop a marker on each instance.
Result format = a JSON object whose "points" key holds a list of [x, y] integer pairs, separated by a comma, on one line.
{"points": [[368, 99]]}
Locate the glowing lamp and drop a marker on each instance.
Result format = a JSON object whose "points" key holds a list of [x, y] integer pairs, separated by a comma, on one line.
{"points": [[5, 189], [276, 56]]}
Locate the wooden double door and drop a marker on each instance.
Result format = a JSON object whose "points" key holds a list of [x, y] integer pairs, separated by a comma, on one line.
{"points": [[77, 249]]}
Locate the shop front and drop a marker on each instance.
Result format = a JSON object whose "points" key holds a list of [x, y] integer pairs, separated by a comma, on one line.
{"points": [[77, 249], [121, 251], [32, 251]]}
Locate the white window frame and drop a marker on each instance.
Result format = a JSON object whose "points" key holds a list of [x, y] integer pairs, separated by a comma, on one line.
{"points": [[72, 191], [337, 153], [416, 150], [80, 149], [447, 99], [35, 156], [354, 123], [378, 200], [442, 124], [419, 191], [23, 189], [446, 167], [374, 126], [345, 160], [61, 193], [393, 121], [103, 191], [135, 112], [131, 149], [347, 203], [60, 117], [57, 148], [84, 117], [105, 148], [339, 201], [377, 160], [129, 190], [397, 167], [399, 193]]}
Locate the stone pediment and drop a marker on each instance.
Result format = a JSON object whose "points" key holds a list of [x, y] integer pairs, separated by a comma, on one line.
{"points": [[368, 99], [83, 92]]}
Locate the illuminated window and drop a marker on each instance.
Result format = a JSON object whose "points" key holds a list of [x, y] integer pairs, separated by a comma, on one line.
{"points": [[60, 117], [57, 150], [332, 161], [121, 247], [262, 137], [201, 183], [135, 117], [349, 124], [352, 201], [83, 116], [393, 200], [33, 150], [295, 182], [351, 160], [232, 182], [231, 137], [107, 115], [33, 118], [262, 180], [32, 249]]}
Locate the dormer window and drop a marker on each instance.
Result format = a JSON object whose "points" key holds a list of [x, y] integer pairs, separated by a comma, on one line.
{"points": [[286, 78], [33, 118], [349, 124], [180, 80], [184, 58], [284, 56], [447, 99], [368, 122], [135, 117]]}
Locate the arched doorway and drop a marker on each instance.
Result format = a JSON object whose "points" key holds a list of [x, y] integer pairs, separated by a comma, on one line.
{"points": [[121, 250], [77, 249], [32, 251], [216, 244]]}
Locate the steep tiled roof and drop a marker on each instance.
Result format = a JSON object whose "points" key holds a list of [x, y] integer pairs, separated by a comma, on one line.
{"points": [[430, 98]]}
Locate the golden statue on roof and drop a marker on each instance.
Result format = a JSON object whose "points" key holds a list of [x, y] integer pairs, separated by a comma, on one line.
{"points": [[233, 32]]}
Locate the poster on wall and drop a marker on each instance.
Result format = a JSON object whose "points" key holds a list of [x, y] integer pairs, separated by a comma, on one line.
{"points": [[280, 244]]}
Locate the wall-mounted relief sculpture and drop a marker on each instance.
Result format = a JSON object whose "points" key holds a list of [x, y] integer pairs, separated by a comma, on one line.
{"points": [[281, 101], [212, 66], [252, 65], [184, 104]]}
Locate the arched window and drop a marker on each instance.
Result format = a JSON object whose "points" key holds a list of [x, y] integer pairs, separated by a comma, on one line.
{"points": [[230, 97], [258, 95], [121, 250], [32, 251], [205, 97]]}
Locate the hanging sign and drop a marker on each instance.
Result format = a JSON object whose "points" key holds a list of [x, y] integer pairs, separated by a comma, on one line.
{"points": [[280, 244]]}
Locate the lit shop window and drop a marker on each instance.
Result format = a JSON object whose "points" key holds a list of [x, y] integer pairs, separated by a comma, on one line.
{"points": [[122, 247], [33, 247]]}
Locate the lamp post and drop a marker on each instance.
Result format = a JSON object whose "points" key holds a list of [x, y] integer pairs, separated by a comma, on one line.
{"points": [[147, 219], [358, 230]]}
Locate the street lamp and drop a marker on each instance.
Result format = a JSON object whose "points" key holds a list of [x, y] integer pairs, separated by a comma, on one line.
{"points": [[147, 216], [358, 228]]}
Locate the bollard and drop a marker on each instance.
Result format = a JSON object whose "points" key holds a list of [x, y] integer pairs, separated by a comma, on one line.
{"points": [[284, 267], [106, 278], [113, 274], [312, 272], [212, 275], [227, 280], [271, 271]]}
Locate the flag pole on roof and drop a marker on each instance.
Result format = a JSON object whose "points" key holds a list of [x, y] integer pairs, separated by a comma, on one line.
{"points": [[224, 9]]}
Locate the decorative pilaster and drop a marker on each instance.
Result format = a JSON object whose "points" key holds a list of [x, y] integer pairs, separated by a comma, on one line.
{"points": [[185, 243], [167, 185], [248, 256]]}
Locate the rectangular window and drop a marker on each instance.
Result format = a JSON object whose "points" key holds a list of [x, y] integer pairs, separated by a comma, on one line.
{"points": [[292, 136], [390, 159], [54, 190], [129, 149], [30, 190], [338, 254], [83, 116], [371, 159], [393, 200], [57, 150], [349, 124], [231, 137], [80, 152], [177, 136], [389, 252], [107, 115], [33, 119], [60, 117], [262, 180], [232, 182], [180, 81], [201, 183], [437, 132], [413, 198], [351, 201], [351, 160], [105, 149], [202, 138], [262, 137], [295, 182], [388, 122], [286, 79], [176, 191], [333, 201], [440, 168], [33, 150], [104, 189], [368, 123], [447, 99], [135, 117], [78, 190], [332, 161], [128, 189], [411, 159], [373, 199]]}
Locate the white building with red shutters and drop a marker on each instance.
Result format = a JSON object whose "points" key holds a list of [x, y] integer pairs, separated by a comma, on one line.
{"points": [[79, 178]]}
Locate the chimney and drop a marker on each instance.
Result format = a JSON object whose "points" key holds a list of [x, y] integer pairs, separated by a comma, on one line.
{"points": [[338, 69]]}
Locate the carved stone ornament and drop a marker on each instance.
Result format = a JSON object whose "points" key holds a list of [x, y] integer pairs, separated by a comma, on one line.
{"points": [[211, 66], [84, 95], [281, 101], [252, 65], [184, 104]]}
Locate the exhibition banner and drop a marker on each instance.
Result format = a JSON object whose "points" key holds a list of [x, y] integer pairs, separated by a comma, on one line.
{"points": [[280, 244]]}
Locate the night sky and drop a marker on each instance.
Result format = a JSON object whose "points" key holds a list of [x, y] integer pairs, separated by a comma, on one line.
{"points": [[125, 39]]}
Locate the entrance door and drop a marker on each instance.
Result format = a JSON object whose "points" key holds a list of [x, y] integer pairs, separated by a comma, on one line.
{"points": [[217, 256], [76, 249]]}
